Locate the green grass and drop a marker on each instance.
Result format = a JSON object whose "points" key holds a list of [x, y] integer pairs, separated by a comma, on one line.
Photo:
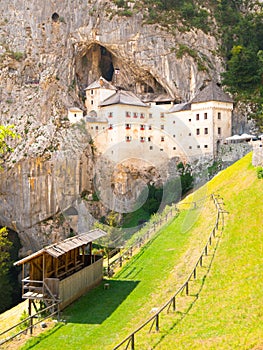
{"points": [[102, 318], [229, 311], [226, 303]]}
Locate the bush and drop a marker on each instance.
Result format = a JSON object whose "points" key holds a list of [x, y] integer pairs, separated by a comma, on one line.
{"points": [[260, 173]]}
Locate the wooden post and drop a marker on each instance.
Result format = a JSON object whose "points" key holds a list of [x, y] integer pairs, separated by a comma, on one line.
{"points": [[31, 319], [132, 342], [157, 323], [186, 288], [120, 261], [201, 260], [90, 252], [206, 250], [174, 305], [195, 273]]}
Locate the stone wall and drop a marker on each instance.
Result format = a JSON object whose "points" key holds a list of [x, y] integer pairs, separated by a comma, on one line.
{"points": [[257, 157]]}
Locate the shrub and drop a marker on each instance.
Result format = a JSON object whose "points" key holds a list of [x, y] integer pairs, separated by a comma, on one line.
{"points": [[260, 173]]}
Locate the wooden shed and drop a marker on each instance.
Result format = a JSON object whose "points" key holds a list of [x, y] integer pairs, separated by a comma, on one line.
{"points": [[62, 271]]}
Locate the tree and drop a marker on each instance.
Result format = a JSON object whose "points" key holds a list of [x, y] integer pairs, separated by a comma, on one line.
{"points": [[6, 133], [5, 265]]}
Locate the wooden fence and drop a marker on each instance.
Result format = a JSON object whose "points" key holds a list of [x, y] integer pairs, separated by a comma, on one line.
{"points": [[30, 322], [171, 303], [140, 241]]}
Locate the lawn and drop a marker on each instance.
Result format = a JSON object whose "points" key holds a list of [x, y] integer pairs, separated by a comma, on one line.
{"points": [[229, 311], [101, 318]]}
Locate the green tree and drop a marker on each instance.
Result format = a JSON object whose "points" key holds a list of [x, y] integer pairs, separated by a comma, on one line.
{"points": [[5, 265], [6, 133]]}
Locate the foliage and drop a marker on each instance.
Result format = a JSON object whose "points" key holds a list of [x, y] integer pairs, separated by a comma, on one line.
{"points": [[6, 132], [16, 55], [5, 264], [242, 45], [260, 173], [26, 323], [186, 177]]}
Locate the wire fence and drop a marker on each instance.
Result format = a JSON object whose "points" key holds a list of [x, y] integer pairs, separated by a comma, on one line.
{"points": [[154, 320]]}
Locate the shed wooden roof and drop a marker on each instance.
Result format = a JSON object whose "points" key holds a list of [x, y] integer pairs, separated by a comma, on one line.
{"points": [[58, 249]]}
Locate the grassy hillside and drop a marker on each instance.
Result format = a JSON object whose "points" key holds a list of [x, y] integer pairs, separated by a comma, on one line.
{"points": [[228, 312]]}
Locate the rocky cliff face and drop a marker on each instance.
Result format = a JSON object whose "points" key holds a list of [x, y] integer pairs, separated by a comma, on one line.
{"points": [[49, 52]]}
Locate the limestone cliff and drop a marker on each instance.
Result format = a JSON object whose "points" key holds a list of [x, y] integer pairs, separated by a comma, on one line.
{"points": [[49, 52]]}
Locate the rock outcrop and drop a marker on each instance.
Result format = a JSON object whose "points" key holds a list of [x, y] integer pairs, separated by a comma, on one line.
{"points": [[49, 52]]}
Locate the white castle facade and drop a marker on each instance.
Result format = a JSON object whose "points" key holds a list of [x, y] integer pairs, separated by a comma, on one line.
{"points": [[123, 125]]}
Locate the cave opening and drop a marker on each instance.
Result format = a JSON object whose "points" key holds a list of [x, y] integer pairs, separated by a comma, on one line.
{"points": [[106, 65], [97, 60], [55, 17]]}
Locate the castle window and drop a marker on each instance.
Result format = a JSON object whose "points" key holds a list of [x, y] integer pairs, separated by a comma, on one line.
{"points": [[190, 147], [92, 102], [96, 127], [142, 139], [150, 127], [174, 122], [205, 116], [149, 139], [189, 134], [206, 131], [197, 116], [205, 146], [198, 146], [142, 115], [92, 92], [162, 127], [142, 127], [162, 115], [128, 138], [110, 127], [150, 148], [150, 115], [127, 126], [190, 120], [162, 138], [218, 115], [128, 114], [135, 115], [219, 131], [174, 148], [197, 131], [110, 115]]}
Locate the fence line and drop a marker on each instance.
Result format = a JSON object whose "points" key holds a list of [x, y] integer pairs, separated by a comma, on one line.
{"points": [[30, 321], [154, 320], [141, 240]]}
